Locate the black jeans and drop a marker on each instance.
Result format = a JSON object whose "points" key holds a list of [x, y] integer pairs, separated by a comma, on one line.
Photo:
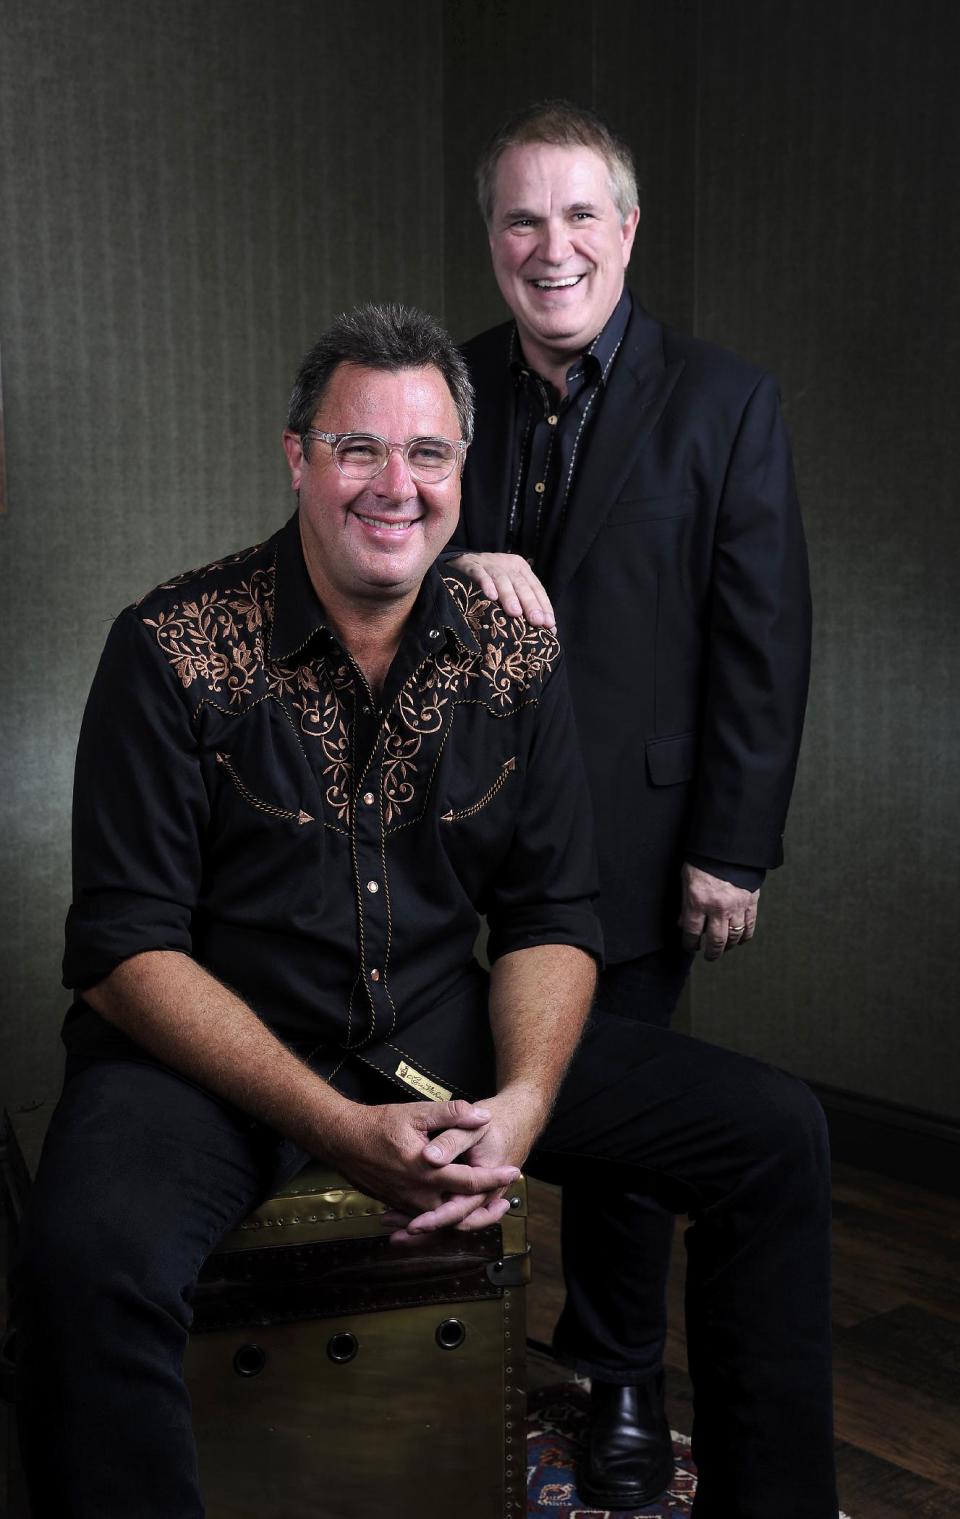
{"points": [[645, 990], [142, 1172]]}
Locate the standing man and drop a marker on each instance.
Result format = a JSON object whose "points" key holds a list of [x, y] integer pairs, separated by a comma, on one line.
{"points": [[635, 486], [303, 771]]}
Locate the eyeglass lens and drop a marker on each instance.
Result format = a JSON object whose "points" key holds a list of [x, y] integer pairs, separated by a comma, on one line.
{"points": [[361, 457]]}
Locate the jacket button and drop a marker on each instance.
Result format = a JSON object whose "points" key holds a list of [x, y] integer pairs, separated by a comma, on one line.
{"points": [[373, 886], [374, 974], [368, 798]]}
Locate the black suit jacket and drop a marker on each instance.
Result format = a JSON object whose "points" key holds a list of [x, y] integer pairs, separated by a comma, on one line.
{"points": [[682, 596]]}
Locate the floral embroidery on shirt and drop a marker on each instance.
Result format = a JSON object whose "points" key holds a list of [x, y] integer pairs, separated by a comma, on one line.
{"points": [[216, 643], [324, 717], [217, 639], [514, 657]]}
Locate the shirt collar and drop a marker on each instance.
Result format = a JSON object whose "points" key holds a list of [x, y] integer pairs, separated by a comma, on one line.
{"points": [[610, 336], [437, 607], [597, 356], [297, 609], [298, 613]]}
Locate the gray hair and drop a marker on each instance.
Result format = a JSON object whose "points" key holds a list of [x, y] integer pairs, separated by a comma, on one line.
{"points": [[565, 125], [385, 337]]}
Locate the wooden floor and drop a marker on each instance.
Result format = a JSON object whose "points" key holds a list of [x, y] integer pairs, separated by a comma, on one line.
{"points": [[897, 1318], [897, 1342]]}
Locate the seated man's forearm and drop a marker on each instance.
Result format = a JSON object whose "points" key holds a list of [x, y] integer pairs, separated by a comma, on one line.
{"points": [[182, 1015], [539, 1001]]}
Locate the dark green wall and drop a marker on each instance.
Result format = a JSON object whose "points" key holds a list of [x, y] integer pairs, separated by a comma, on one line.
{"points": [[187, 194], [828, 247]]}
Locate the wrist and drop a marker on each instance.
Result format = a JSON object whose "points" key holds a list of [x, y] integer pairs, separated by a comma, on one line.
{"points": [[527, 1100], [338, 1127]]}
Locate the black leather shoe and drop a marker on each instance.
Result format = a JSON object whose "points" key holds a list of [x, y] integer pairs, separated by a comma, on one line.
{"points": [[629, 1455]]}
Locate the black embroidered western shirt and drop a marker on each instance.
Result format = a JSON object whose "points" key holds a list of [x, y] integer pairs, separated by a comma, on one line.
{"points": [[242, 797]]}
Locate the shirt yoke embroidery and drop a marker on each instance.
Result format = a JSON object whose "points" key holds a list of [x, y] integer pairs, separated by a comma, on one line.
{"points": [[213, 625]]}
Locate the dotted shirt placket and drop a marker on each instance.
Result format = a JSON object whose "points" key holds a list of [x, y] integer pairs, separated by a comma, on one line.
{"points": [[583, 421], [369, 870], [515, 502], [372, 884], [541, 485], [525, 443]]}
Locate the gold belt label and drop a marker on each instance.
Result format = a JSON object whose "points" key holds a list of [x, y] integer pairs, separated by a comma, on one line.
{"points": [[421, 1084]]}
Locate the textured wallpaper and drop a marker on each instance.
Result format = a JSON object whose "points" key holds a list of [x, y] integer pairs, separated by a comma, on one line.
{"points": [[187, 194]]}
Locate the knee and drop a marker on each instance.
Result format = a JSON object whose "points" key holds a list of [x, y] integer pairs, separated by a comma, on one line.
{"points": [[73, 1273], [791, 1125]]}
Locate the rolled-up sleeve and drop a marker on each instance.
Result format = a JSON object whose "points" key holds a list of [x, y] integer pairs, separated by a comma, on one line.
{"points": [[140, 811], [546, 889]]}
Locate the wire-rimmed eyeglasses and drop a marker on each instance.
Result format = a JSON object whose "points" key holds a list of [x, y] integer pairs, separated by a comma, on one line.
{"points": [[364, 455]]}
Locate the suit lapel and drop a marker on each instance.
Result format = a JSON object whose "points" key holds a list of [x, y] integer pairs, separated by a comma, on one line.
{"points": [[638, 389]]}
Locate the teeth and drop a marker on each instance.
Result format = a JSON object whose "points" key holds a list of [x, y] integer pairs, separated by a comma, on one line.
{"points": [[573, 279], [381, 522]]}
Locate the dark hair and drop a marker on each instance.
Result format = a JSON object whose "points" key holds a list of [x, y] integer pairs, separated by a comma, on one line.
{"points": [[566, 125], [386, 337]]}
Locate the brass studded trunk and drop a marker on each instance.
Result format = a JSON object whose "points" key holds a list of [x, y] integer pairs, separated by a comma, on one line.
{"points": [[334, 1375]]}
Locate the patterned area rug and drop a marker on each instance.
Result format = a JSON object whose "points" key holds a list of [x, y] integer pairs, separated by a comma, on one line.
{"points": [[556, 1423], [555, 1426]]}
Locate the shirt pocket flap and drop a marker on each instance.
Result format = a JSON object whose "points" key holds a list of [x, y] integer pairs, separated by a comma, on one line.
{"points": [[671, 760]]}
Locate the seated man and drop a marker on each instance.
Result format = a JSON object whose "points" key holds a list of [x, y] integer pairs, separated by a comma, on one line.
{"points": [[303, 773]]}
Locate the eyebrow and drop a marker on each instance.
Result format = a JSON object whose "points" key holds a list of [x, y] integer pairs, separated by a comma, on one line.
{"points": [[577, 205]]}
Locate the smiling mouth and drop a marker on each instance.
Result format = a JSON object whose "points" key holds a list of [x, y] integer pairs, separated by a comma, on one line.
{"points": [[397, 525], [566, 283]]}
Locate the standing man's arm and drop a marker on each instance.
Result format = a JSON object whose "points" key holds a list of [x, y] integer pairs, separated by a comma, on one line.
{"points": [[755, 682]]}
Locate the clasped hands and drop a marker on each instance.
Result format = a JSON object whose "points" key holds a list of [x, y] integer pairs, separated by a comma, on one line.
{"points": [[409, 1156]]}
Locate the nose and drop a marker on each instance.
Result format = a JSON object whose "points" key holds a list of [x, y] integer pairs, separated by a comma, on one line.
{"points": [[554, 241], [395, 482]]}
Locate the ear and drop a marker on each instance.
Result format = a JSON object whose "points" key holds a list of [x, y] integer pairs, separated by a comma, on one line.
{"points": [[628, 232], [293, 448]]}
